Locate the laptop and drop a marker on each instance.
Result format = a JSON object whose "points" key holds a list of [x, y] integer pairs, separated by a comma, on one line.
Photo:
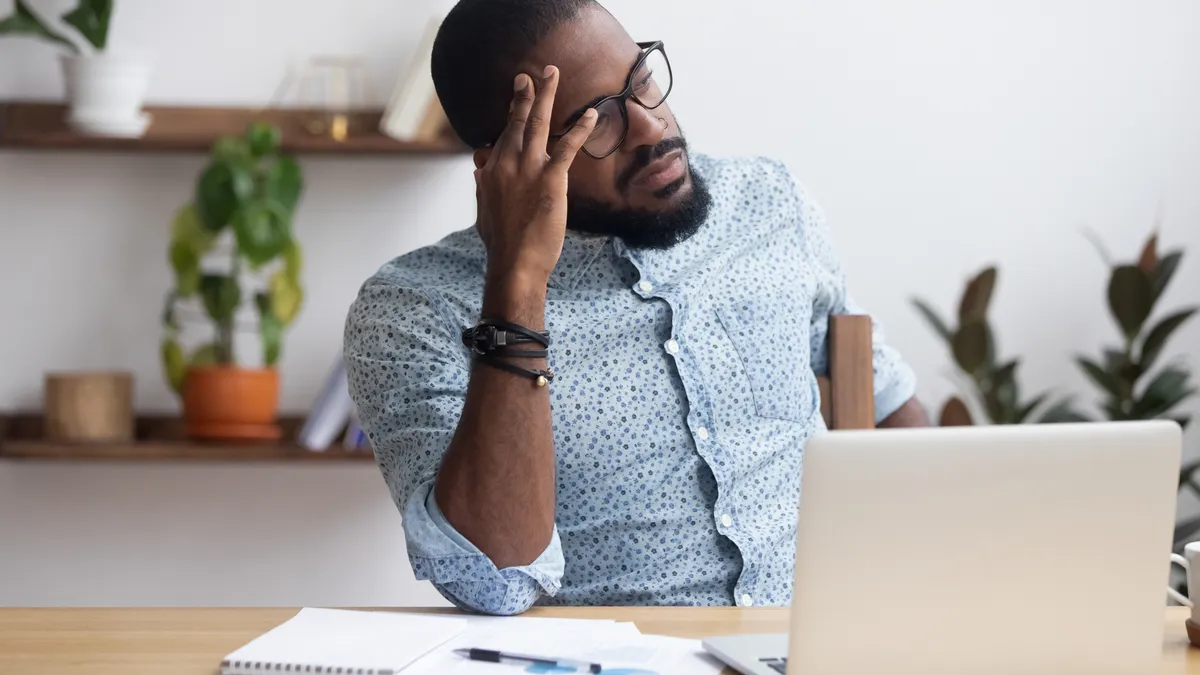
{"points": [[1005, 550]]}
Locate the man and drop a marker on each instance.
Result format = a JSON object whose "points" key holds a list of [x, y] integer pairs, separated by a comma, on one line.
{"points": [[649, 451]]}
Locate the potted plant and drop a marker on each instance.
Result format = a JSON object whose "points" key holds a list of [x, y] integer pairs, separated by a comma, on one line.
{"points": [[104, 89], [232, 249]]}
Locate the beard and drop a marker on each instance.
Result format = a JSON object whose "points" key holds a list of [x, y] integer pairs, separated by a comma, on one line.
{"points": [[640, 228]]}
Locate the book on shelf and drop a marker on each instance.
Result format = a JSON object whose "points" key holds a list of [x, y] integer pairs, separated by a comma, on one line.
{"points": [[413, 112], [330, 413]]}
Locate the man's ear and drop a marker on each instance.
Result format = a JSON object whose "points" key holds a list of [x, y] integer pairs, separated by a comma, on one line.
{"points": [[481, 157]]}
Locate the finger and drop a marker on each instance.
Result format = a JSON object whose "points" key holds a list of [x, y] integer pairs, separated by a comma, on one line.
{"points": [[537, 131], [513, 138], [569, 145]]}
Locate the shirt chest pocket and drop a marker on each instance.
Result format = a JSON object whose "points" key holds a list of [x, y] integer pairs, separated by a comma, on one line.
{"points": [[770, 340], [764, 305]]}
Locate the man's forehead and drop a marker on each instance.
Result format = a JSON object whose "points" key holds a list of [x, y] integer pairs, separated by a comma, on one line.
{"points": [[593, 54]]}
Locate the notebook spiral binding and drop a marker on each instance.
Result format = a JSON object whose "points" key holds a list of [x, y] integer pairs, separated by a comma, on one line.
{"points": [[262, 667]]}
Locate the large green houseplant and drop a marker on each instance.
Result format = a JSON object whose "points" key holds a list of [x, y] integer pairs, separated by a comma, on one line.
{"points": [[232, 247], [1131, 383], [104, 88]]}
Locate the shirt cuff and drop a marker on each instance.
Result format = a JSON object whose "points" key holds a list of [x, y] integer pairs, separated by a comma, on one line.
{"points": [[464, 574]]}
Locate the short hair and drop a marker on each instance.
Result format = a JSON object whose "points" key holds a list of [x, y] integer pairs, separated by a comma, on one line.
{"points": [[476, 53]]}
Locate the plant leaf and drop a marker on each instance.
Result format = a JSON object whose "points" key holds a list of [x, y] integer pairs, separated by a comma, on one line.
{"points": [[1104, 379], [955, 414], [206, 355], [263, 138], [977, 296], [174, 364], [1167, 390], [933, 319], [1185, 530], [1062, 412], [271, 330], [284, 183], [1148, 261], [24, 22], [293, 261], [1131, 298], [263, 231], [970, 345], [1157, 339], [286, 297], [91, 19], [1026, 410], [222, 295], [223, 187], [1183, 421], [1096, 243], [1166, 269]]}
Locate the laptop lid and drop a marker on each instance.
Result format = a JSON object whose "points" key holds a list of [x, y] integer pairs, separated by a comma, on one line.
{"points": [[1009, 550]]}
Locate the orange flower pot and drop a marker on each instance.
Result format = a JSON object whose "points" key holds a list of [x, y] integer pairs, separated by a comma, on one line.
{"points": [[223, 403]]}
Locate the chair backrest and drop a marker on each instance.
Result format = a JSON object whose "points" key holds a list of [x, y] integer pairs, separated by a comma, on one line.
{"points": [[848, 394]]}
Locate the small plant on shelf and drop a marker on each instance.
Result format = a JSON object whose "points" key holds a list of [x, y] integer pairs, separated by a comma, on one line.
{"points": [[993, 384], [105, 90], [232, 248]]}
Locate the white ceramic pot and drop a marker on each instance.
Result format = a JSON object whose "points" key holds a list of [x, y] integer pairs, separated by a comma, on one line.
{"points": [[105, 93]]}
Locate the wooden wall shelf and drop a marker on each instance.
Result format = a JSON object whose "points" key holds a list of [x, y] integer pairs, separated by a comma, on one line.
{"points": [[42, 126], [161, 439]]}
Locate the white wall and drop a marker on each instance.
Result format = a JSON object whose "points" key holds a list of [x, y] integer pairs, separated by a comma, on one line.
{"points": [[939, 135]]}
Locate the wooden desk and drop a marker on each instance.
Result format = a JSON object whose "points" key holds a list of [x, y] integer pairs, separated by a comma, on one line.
{"points": [[193, 641]]}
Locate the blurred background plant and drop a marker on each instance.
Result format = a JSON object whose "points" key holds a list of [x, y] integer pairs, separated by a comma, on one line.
{"points": [[1128, 386], [992, 385], [89, 18], [248, 193]]}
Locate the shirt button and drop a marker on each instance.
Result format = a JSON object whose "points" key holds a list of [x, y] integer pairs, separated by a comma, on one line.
{"points": [[702, 433], [747, 601], [645, 286], [672, 347], [727, 521]]}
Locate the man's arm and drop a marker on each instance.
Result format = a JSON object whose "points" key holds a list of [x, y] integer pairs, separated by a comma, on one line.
{"points": [[496, 485], [911, 414]]}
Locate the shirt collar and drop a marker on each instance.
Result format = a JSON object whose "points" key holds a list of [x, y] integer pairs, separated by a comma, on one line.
{"points": [[578, 253]]}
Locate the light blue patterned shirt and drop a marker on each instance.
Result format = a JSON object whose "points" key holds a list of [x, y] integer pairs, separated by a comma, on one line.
{"points": [[686, 389]]}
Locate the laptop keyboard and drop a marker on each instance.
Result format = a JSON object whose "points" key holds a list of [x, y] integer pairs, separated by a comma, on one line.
{"points": [[778, 665]]}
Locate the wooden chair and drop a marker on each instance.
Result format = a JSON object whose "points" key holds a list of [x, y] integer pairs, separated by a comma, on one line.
{"points": [[848, 394]]}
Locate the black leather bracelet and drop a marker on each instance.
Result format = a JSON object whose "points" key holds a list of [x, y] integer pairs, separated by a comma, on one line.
{"points": [[541, 378], [542, 337], [490, 335]]}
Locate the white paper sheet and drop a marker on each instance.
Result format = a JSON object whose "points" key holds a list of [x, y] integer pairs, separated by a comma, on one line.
{"points": [[619, 647]]}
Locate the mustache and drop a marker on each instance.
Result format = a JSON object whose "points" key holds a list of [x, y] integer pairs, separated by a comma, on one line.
{"points": [[647, 154]]}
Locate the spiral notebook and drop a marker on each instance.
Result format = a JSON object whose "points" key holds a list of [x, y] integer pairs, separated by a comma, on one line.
{"points": [[343, 642]]}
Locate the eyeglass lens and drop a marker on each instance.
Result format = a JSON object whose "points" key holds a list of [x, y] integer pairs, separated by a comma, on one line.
{"points": [[651, 84]]}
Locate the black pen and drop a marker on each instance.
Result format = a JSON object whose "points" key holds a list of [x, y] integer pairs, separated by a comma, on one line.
{"points": [[501, 657]]}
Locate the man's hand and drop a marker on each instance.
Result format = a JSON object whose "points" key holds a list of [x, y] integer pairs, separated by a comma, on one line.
{"points": [[522, 191]]}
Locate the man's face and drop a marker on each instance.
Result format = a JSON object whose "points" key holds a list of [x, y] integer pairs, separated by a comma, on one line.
{"points": [[647, 183]]}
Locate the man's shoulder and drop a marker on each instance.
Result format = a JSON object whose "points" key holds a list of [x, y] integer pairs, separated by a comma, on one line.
{"points": [[455, 260], [752, 177]]}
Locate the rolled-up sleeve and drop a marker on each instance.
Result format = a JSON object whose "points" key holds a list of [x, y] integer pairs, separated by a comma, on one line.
{"points": [[895, 382], [408, 376]]}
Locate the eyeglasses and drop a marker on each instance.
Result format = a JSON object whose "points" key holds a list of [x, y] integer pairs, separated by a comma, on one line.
{"points": [[648, 84]]}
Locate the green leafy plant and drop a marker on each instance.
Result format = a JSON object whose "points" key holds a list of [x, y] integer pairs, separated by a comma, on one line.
{"points": [[1134, 290], [1125, 375], [972, 344], [247, 196], [89, 18]]}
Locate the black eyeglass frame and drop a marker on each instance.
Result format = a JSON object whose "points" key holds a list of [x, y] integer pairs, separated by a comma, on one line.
{"points": [[622, 98]]}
